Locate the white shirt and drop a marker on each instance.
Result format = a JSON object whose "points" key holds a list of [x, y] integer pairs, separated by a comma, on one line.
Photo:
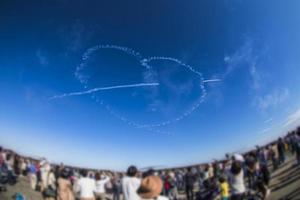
{"points": [[130, 186], [51, 180], [237, 183], [86, 187], [158, 198], [100, 184]]}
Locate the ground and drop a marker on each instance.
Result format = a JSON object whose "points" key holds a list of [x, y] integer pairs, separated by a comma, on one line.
{"points": [[285, 185]]}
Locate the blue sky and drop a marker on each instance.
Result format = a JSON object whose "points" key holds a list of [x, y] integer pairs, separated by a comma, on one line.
{"points": [[249, 49]]}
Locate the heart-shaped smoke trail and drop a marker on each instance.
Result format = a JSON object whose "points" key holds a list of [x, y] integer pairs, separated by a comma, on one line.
{"points": [[145, 62]]}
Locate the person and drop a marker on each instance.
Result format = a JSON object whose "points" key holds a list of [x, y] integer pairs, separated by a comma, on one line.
{"points": [[9, 164], [32, 174], [262, 182], [23, 167], [173, 191], [101, 181], [224, 188], [64, 190], [273, 157], [251, 170], [237, 181], [86, 186], [297, 147], [130, 184], [281, 150], [150, 188], [116, 187], [2, 159], [189, 184], [50, 190], [16, 165], [44, 171]]}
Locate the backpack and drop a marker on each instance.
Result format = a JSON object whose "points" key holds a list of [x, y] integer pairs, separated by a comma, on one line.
{"points": [[19, 196]]}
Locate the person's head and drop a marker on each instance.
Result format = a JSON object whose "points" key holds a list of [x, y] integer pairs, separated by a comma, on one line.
{"points": [[84, 173], [8, 156], [206, 168], [150, 187], [236, 168], [132, 171], [227, 156], [189, 169], [222, 179], [206, 184], [65, 173], [150, 172], [97, 176]]}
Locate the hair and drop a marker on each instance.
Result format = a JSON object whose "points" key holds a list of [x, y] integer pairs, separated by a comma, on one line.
{"points": [[65, 174], [150, 172], [236, 168], [1, 149], [132, 171], [97, 176], [222, 179], [8, 156], [84, 173]]}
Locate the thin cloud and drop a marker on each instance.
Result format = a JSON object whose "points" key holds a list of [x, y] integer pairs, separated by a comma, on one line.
{"points": [[264, 130], [256, 77], [242, 57], [268, 121], [43, 60], [292, 118], [272, 99]]}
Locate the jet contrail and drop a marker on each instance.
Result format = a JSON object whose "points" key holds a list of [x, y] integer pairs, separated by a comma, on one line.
{"points": [[212, 80], [102, 88]]}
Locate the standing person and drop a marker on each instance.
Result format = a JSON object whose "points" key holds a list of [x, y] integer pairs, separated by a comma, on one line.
{"points": [[50, 190], [180, 180], [224, 188], [130, 184], [64, 190], [101, 181], [238, 188], [166, 184], [32, 174], [251, 162], [297, 147], [116, 187], [173, 192], [262, 182], [17, 165], [45, 170], [9, 163], [150, 188], [281, 150], [2, 159], [86, 187], [189, 184], [24, 167], [272, 157]]}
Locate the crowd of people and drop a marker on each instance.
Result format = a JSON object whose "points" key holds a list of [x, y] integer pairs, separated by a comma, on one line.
{"points": [[239, 176]]}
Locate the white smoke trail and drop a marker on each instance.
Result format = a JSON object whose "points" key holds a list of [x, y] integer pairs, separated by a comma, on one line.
{"points": [[90, 51], [212, 80], [103, 88], [145, 62]]}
